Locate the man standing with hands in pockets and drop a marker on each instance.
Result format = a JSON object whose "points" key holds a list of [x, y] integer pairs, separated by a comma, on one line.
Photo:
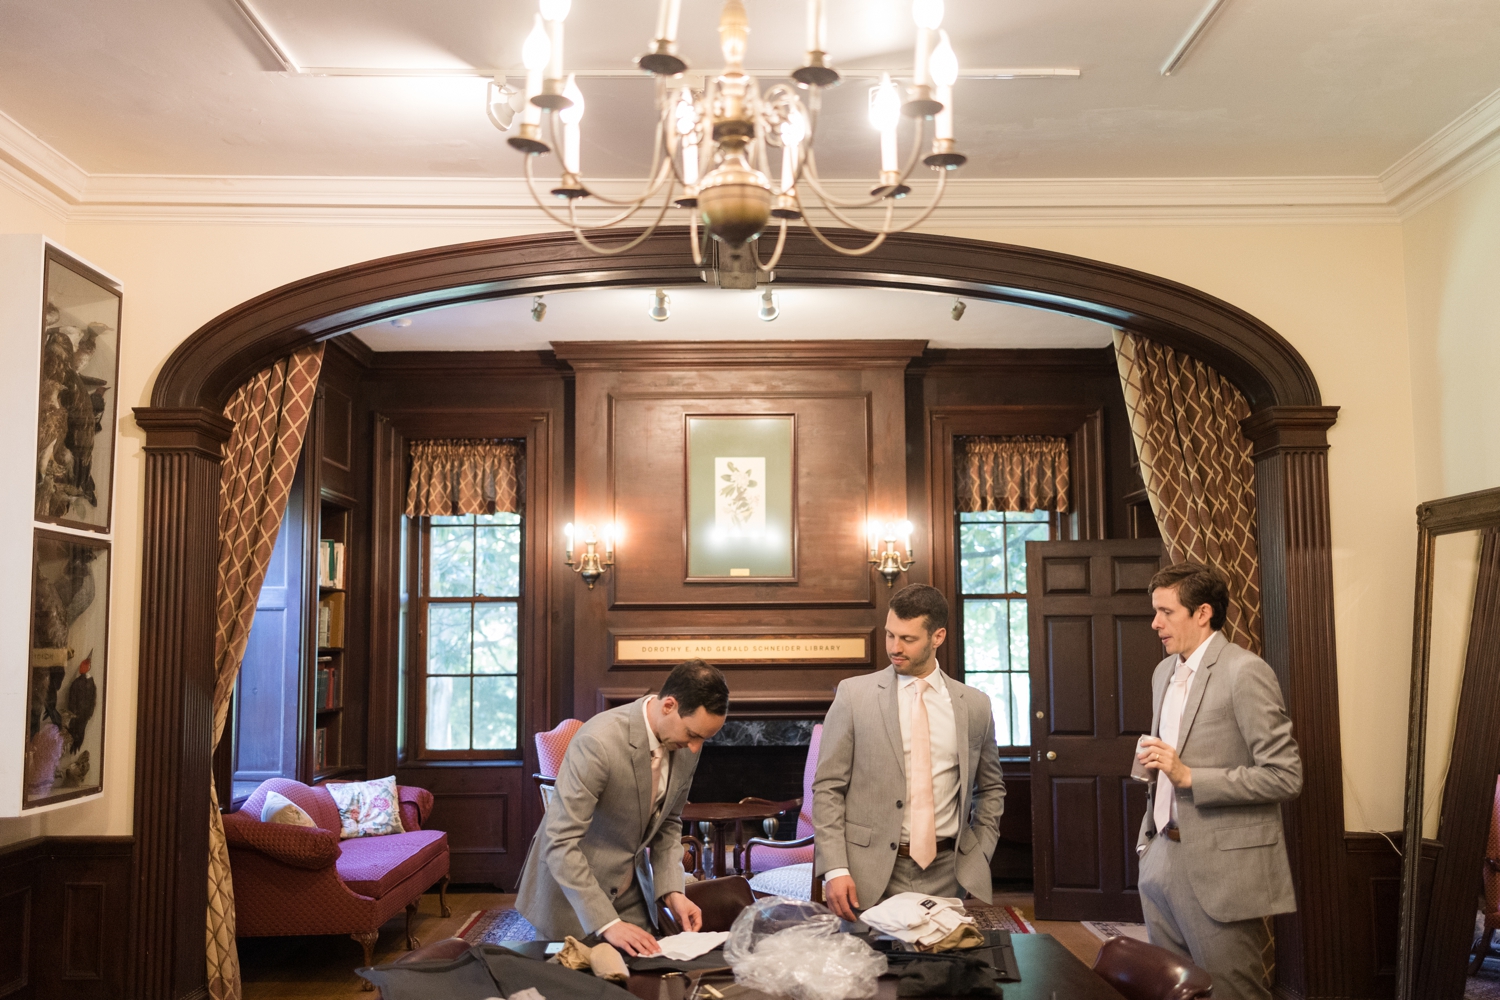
{"points": [[908, 793], [1213, 857]]}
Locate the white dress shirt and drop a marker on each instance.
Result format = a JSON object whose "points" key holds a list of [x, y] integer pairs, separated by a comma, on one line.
{"points": [[944, 735], [1173, 703], [661, 789]]}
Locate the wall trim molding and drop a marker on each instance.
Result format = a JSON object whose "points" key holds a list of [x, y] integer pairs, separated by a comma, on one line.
{"points": [[1451, 156]]}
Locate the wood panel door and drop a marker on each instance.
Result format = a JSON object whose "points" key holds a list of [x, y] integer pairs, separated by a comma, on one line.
{"points": [[1092, 654]]}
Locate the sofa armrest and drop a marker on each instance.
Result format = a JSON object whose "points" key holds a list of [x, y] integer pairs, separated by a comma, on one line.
{"points": [[416, 806], [312, 848]]}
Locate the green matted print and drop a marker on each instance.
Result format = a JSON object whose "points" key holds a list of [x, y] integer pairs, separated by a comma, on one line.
{"points": [[741, 498]]}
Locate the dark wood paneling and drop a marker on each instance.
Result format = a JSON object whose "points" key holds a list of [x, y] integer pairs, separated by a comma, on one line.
{"points": [[484, 810], [1068, 646], [1373, 869], [1075, 833], [61, 932], [338, 428], [1137, 651]]}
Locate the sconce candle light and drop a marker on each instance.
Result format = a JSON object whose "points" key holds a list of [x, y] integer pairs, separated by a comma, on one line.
{"points": [[883, 553], [591, 565]]}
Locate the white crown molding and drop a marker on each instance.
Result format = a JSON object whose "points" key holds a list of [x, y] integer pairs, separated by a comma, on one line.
{"points": [[1461, 149]]}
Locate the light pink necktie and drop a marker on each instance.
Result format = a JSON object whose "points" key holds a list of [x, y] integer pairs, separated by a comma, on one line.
{"points": [[923, 814], [1173, 704], [655, 777]]}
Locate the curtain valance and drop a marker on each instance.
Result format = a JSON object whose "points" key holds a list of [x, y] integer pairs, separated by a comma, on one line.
{"points": [[1027, 472], [465, 477]]}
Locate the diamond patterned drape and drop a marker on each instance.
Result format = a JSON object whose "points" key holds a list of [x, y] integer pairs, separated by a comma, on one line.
{"points": [[1185, 418], [465, 477], [270, 415], [1026, 472]]}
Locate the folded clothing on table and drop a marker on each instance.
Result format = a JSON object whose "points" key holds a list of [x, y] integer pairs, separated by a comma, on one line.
{"points": [[931, 923], [486, 971]]}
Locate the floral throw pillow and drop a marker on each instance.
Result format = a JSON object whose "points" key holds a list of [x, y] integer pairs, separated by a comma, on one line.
{"points": [[367, 808]]}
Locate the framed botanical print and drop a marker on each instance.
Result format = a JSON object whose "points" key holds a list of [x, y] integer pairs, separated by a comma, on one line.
{"points": [[75, 440], [68, 660], [741, 498]]}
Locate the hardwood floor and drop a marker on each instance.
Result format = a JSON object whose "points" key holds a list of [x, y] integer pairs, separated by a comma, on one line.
{"points": [[322, 968]]}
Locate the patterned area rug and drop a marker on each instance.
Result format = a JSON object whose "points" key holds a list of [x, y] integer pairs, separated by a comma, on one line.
{"points": [[494, 926], [1484, 984]]}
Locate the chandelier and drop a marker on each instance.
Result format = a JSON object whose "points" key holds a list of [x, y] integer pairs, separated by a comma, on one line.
{"points": [[713, 147]]}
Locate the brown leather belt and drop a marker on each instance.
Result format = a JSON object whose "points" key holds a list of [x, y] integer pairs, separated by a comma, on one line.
{"points": [[1173, 833], [945, 844]]}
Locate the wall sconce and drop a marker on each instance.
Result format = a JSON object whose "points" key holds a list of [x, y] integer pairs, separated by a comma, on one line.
{"points": [[591, 565], [883, 554]]}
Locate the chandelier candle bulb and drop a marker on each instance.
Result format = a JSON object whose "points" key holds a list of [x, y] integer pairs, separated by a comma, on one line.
{"points": [[666, 20], [817, 27], [568, 531], [554, 12], [944, 74], [885, 115], [928, 15], [535, 54], [572, 117]]}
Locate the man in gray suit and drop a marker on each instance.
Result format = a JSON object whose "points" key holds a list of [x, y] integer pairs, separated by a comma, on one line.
{"points": [[1213, 858], [908, 793], [619, 798]]}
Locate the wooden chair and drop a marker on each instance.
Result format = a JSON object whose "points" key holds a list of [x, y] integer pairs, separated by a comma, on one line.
{"points": [[1491, 876], [720, 899], [1141, 971]]}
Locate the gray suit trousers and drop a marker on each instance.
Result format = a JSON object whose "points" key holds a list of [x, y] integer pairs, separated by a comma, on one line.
{"points": [[938, 879], [1239, 955]]}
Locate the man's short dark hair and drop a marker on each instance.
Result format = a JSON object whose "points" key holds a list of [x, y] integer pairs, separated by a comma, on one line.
{"points": [[696, 684], [920, 600], [1197, 585]]}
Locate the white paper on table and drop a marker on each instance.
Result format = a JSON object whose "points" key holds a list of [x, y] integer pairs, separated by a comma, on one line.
{"points": [[689, 945]]}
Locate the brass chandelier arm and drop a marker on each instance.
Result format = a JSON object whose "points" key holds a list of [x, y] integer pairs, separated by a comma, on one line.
{"points": [[596, 248], [775, 254], [809, 168], [536, 197], [942, 183], [846, 251], [640, 200]]}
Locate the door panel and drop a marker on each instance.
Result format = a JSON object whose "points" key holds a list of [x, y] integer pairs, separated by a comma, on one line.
{"points": [[1092, 655]]}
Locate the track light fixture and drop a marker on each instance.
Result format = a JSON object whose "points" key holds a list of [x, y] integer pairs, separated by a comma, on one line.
{"points": [[769, 308], [959, 305], [660, 301], [538, 308]]}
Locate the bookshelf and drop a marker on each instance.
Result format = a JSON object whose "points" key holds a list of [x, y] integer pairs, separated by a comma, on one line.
{"points": [[327, 680]]}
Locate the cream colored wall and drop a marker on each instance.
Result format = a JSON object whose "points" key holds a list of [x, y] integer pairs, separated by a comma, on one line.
{"points": [[1336, 292]]}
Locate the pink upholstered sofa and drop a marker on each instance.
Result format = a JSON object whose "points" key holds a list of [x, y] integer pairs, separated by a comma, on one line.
{"points": [[300, 880]]}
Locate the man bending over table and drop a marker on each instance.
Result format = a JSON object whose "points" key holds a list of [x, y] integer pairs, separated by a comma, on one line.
{"points": [[620, 792]]}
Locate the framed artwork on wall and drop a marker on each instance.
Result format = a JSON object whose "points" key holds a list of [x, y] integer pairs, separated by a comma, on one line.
{"points": [[75, 441], [741, 478], [65, 696]]}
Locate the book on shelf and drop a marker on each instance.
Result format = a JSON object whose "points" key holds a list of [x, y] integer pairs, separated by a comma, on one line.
{"points": [[327, 693], [331, 621], [330, 563], [320, 748]]}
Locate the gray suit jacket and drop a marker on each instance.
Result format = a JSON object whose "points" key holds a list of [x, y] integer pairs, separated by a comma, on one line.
{"points": [[1237, 738], [594, 839], [861, 782]]}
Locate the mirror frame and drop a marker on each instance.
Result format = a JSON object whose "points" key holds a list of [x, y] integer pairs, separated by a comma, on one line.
{"points": [[1421, 962]]}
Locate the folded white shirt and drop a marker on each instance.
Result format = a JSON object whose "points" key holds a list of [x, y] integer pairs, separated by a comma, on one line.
{"points": [[917, 918], [690, 944]]}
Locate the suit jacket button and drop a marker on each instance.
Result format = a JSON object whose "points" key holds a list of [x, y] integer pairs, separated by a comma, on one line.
{"points": [[898, 804], [893, 845], [613, 891]]}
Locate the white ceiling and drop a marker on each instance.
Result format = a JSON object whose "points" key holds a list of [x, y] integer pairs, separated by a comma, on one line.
{"points": [[703, 313], [1275, 88]]}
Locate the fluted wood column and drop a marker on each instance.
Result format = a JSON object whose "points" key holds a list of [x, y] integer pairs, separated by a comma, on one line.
{"points": [[1296, 584], [174, 716]]}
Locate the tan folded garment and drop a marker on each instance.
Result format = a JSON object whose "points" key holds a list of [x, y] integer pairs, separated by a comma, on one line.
{"points": [[575, 955], [962, 936], [607, 963]]}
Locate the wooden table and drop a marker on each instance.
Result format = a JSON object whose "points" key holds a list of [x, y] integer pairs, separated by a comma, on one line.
{"points": [[1047, 968], [721, 814]]}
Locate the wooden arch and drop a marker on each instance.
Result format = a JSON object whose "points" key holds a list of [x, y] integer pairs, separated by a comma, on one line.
{"points": [[185, 429]]}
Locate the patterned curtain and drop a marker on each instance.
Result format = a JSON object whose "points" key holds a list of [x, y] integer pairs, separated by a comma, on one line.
{"points": [[270, 418], [1185, 418], [1011, 473], [465, 477]]}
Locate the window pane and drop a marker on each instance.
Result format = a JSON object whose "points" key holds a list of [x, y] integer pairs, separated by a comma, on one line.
{"points": [[448, 638], [504, 517], [447, 713], [1020, 644], [1017, 535], [1020, 729], [494, 713], [452, 570], [986, 642], [1028, 515], [453, 519], [997, 686], [982, 558], [495, 650], [498, 572]]}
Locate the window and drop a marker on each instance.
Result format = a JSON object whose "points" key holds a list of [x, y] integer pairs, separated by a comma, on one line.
{"points": [[992, 589], [468, 613]]}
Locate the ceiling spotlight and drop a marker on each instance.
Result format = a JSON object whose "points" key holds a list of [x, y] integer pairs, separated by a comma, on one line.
{"points": [[659, 303], [538, 308], [769, 309], [498, 103], [959, 305], [401, 321]]}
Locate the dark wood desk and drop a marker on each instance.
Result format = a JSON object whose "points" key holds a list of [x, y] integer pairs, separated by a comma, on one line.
{"points": [[1046, 968], [720, 815]]}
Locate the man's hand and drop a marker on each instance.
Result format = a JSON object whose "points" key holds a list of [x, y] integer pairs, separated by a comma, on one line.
{"points": [[631, 939], [1159, 756], [689, 916], [840, 896]]}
